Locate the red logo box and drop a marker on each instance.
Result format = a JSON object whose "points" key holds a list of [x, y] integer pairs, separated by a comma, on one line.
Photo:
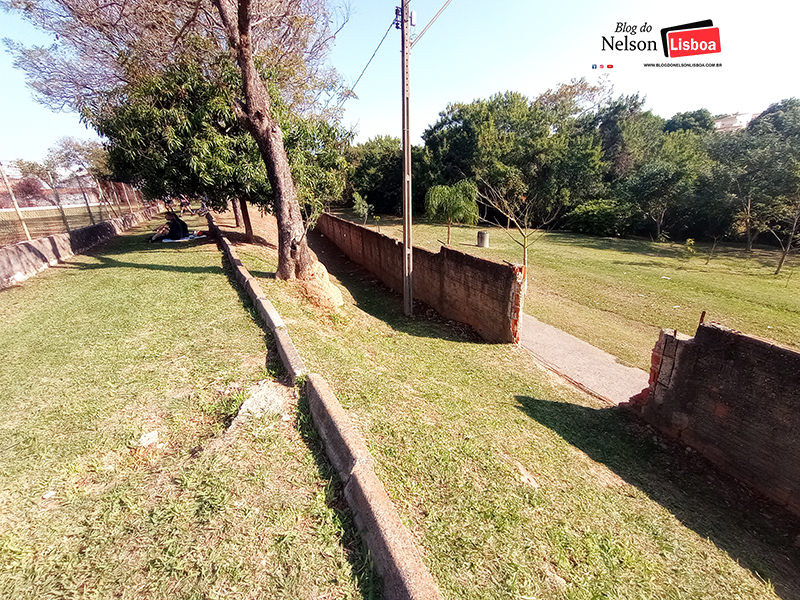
{"points": [[691, 42]]}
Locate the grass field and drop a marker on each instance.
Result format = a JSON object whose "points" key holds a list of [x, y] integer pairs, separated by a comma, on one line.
{"points": [[138, 338], [617, 294], [515, 485]]}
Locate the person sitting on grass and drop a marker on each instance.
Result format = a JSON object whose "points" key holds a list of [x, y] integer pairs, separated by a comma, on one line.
{"points": [[173, 229]]}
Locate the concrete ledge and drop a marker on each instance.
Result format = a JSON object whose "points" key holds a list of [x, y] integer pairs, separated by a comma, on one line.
{"points": [[390, 543], [23, 260], [289, 355], [343, 444], [270, 315]]}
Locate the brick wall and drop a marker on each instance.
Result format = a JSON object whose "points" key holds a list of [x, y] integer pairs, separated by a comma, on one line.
{"points": [[736, 400], [482, 293]]}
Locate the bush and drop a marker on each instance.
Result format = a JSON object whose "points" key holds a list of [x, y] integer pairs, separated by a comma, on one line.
{"points": [[602, 217]]}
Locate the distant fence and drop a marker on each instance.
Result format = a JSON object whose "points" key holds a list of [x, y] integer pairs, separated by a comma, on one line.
{"points": [[482, 293], [79, 207], [736, 400], [20, 261]]}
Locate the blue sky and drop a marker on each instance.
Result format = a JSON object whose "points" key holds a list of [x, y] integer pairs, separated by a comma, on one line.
{"points": [[478, 48]]}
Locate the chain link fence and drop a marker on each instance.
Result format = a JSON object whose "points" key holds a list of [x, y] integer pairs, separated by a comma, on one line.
{"points": [[46, 211]]}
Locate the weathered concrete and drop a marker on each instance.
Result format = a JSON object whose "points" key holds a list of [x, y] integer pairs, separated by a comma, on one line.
{"points": [[589, 368], [20, 261], [343, 444], [736, 400], [391, 545]]}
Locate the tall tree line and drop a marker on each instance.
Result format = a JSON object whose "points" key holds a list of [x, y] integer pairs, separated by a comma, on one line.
{"points": [[576, 157]]}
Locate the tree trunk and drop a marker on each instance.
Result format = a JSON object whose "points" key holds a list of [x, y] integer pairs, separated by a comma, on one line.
{"points": [[787, 247], [237, 212], [748, 226], [294, 257], [248, 227]]}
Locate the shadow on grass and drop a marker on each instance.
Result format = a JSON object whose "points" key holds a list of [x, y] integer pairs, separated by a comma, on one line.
{"points": [[237, 237], [757, 534], [105, 262], [374, 298]]}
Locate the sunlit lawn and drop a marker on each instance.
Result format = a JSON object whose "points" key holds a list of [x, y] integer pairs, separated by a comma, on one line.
{"points": [[138, 339], [617, 294], [515, 485]]}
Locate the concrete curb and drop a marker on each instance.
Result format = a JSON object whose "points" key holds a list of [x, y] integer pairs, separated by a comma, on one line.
{"points": [[390, 543], [23, 260], [291, 358]]}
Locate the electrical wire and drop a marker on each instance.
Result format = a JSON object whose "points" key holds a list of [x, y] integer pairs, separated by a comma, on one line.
{"points": [[368, 63]]}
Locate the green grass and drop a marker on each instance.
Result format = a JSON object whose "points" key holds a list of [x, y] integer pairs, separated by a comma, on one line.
{"points": [[617, 294], [136, 338], [460, 429]]}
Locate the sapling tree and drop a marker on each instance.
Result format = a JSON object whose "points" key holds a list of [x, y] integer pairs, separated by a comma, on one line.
{"points": [[522, 215], [453, 204], [361, 208]]}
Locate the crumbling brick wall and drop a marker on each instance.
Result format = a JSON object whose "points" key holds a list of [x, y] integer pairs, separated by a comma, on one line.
{"points": [[482, 293], [736, 400]]}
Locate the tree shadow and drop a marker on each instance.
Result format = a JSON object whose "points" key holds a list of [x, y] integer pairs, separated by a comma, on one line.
{"points": [[237, 237], [755, 532], [373, 297], [106, 262]]}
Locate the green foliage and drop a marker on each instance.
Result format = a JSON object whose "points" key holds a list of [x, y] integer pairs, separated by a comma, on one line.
{"points": [[688, 250], [377, 172], [453, 204], [175, 132], [603, 216], [700, 121], [529, 153], [361, 208]]}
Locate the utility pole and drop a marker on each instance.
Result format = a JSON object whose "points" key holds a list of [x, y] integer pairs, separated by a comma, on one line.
{"points": [[405, 26]]}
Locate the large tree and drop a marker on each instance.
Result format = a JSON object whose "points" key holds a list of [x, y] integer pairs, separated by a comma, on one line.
{"points": [[287, 39], [176, 133], [377, 171], [530, 153]]}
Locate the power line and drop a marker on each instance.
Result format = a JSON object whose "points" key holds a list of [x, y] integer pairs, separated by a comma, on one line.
{"points": [[441, 10], [368, 62]]}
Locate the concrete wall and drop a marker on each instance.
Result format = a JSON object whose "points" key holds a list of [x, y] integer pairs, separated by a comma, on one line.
{"points": [[482, 293], [20, 261], [736, 400]]}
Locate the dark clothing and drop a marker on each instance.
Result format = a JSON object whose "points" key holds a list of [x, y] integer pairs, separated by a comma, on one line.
{"points": [[177, 229]]}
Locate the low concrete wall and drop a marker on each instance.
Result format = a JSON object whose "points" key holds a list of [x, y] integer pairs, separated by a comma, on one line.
{"points": [[390, 543], [736, 400], [20, 261], [482, 293]]}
